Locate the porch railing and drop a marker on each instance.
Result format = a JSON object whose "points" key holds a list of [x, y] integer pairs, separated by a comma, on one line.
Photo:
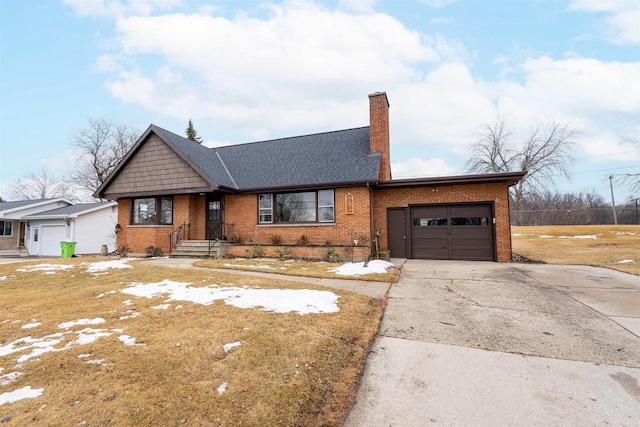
{"points": [[181, 233]]}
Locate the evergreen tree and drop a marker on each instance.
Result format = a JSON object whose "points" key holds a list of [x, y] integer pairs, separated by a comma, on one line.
{"points": [[192, 134]]}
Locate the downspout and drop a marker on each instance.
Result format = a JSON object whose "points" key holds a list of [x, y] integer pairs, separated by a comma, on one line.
{"points": [[371, 224]]}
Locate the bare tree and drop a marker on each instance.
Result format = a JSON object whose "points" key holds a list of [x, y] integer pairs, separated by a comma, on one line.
{"points": [[40, 185], [631, 180], [544, 155], [102, 145]]}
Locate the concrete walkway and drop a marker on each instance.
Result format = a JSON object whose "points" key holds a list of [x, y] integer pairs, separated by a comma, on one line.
{"points": [[484, 344]]}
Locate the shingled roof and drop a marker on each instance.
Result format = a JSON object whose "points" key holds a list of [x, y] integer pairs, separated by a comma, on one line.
{"points": [[338, 157], [72, 210]]}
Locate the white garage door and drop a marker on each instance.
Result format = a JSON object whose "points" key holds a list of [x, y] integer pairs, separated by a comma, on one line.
{"points": [[50, 238]]}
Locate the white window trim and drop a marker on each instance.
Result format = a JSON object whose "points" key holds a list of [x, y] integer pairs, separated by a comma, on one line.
{"points": [[269, 209], [4, 222], [318, 221]]}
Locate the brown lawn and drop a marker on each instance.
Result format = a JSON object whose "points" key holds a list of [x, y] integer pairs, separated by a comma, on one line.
{"points": [[611, 246], [288, 369], [323, 270]]}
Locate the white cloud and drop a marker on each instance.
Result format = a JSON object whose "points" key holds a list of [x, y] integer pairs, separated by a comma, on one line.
{"points": [[303, 65], [444, 110], [358, 5], [622, 19], [417, 168], [303, 68], [102, 8], [437, 3]]}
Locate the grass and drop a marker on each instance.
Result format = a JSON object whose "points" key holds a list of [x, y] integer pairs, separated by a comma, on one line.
{"points": [[595, 245], [290, 369], [323, 270]]}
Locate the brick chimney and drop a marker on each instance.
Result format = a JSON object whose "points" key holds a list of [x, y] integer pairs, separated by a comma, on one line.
{"points": [[379, 131]]}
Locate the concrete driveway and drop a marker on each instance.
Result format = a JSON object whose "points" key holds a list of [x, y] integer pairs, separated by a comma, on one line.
{"points": [[474, 343]]}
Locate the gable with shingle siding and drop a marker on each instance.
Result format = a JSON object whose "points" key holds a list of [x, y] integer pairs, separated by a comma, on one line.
{"points": [[155, 167]]}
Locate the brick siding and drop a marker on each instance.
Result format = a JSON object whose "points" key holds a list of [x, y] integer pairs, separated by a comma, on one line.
{"points": [[242, 211], [403, 197], [379, 132]]}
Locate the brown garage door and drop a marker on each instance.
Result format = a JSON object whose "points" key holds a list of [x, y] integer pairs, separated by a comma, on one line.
{"points": [[462, 232]]}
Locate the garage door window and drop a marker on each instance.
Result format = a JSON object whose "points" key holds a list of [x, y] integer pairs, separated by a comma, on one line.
{"points": [[430, 222], [476, 220]]}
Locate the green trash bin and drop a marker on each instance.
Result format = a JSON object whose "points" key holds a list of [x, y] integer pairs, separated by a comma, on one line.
{"points": [[67, 249]]}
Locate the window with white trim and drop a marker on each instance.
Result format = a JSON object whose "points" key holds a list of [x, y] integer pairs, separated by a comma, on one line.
{"points": [[265, 208], [298, 207], [152, 211], [6, 228]]}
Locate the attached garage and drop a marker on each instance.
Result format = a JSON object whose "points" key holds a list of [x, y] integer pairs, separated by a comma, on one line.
{"points": [[50, 238], [459, 232], [450, 218]]}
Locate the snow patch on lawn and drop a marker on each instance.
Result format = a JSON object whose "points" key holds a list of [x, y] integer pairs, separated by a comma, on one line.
{"points": [[227, 347], [25, 392], [127, 340], [222, 388], [89, 335], [31, 325], [7, 378], [625, 261], [108, 265], [67, 325], [302, 301], [375, 266], [45, 267]]}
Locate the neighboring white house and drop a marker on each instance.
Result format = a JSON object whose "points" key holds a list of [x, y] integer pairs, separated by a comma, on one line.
{"points": [[36, 227], [13, 226], [90, 225]]}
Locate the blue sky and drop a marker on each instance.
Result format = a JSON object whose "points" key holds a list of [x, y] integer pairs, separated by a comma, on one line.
{"points": [[249, 70]]}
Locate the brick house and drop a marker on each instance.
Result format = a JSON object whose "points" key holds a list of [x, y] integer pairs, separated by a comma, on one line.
{"points": [[310, 192]]}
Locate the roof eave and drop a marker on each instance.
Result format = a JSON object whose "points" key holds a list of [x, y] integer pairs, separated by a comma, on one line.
{"points": [[511, 178], [303, 187]]}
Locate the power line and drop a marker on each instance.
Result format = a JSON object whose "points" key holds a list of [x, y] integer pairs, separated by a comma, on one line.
{"points": [[607, 155], [596, 170]]}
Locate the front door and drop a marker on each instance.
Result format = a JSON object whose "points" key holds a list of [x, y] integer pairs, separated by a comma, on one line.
{"points": [[214, 217]]}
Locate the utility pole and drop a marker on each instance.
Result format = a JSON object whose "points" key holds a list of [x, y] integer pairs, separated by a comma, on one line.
{"points": [[637, 217], [613, 202]]}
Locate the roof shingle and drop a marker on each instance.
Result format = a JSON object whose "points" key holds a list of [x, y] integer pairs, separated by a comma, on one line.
{"points": [[328, 158]]}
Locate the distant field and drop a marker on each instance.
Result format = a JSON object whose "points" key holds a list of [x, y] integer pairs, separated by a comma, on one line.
{"points": [[611, 246]]}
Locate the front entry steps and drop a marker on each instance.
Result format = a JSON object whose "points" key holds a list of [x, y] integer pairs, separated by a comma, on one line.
{"points": [[199, 249], [14, 253]]}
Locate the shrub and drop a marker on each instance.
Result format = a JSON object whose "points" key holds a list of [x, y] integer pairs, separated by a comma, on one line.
{"points": [[275, 239], [255, 252], [303, 240], [123, 250], [153, 251], [283, 253], [331, 255], [238, 239]]}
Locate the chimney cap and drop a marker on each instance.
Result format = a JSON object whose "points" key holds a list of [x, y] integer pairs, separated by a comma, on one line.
{"points": [[376, 94]]}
